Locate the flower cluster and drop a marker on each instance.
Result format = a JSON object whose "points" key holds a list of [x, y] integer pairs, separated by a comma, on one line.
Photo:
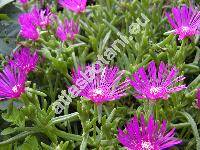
{"points": [[186, 21], [152, 86], [13, 77], [151, 83], [31, 21], [147, 136], [76, 6], [67, 30]]}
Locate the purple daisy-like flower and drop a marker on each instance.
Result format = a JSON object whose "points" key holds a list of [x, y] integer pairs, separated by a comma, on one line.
{"points": [[103, 86], [186, 21], [76, 6], [31, 21], [198, 98], [156, 84], [42, 17], [28, 29], [146, 136], [24, 60], [12, 83], [67, 30]]}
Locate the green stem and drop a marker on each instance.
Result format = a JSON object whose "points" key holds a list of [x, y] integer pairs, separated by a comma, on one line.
{"points": [[56, 87], [68, 77], [99, 110], [151, 107], [110, 117], [194, 82], [68, 136], [166, 40], [10, 107], [69, 117], [197, 57], [144, 62], [157, 111], [94, 131], [180, 125], [74, 60], [194, 128], [183, 44], [42, 41], [22, 129], [84, 142], [17, 137], [35, 92]]}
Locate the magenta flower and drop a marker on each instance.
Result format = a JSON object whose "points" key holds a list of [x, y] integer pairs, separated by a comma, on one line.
{"points": [[12, 83], [156, 84], [142, 136], [76, 6], [198, 98], [42, 18], [28, 30], [24, 60], [186, 21], [101, 87], [31, 22], [67, 30], [23, 1]]}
